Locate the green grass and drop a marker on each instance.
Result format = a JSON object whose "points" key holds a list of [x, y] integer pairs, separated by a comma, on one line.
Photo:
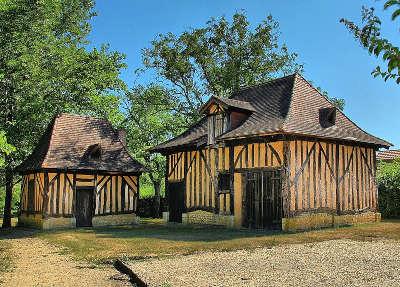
{"points": [[155, 240]]}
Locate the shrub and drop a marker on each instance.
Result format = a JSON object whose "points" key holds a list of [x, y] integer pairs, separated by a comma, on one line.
{"points": [[388, 178]]}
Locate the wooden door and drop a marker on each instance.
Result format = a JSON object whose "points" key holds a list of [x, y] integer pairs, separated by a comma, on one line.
{"points": [[176, 202], [262, 201], [84, 206]]}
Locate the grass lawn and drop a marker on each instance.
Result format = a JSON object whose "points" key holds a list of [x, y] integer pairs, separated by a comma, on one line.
{"points": [[155, 240]]}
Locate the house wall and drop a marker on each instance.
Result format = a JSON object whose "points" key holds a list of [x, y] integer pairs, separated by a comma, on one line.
{"points": [[330, 179], [199, 169], [114, 195], [324, 183]]}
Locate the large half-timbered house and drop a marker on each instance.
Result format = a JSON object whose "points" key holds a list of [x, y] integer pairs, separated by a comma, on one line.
{"points": [[80, 174], [275, 155]]}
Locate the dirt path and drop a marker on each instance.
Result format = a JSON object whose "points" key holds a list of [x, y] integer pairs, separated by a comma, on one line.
{"points": [[330, 263], [37, 263]]}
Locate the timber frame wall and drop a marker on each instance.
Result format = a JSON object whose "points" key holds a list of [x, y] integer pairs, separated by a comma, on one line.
{"points": [[53, 193], [317, 175]]}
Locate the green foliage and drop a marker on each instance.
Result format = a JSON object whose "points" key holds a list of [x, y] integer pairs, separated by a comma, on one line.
{"points": [[218, 59], [46, 67], [5, 147], [15, 199], [370, 38], [151, 119], [388, 177]]}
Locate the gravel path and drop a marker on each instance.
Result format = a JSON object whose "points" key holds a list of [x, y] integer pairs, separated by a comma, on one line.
{"points": [[329, 263], [38, 263]]}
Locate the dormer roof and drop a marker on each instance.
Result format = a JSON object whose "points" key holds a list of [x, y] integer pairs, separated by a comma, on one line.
{"points": [[227, 104]]}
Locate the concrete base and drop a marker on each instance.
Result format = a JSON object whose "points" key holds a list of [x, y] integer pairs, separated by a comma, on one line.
{"points": [[204, 217], [309, 221], [37, 221], [115, 219]]}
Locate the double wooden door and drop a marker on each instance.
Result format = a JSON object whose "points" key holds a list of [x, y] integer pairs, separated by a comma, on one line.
{"points": [[262, 199]]}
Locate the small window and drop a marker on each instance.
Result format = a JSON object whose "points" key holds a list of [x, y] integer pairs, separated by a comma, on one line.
{"points": [[95, 152], [31, 195], [224, 182], [327, 117]]}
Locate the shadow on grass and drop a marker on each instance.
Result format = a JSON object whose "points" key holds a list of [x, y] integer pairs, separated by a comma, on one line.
{"points": [[175, 232]]}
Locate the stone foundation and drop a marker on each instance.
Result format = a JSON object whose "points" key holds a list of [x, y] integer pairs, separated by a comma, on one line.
{"points": [[115, 219], [205, 217], [37, 221], [320, 220]]}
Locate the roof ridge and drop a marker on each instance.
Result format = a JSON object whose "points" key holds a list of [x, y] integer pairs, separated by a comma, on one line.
{"points": [[290, 102], [52, 128], [340, 111], [261, 84]]}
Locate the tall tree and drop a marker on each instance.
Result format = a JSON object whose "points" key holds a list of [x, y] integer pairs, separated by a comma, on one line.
{"points": [[47, 67], [218, 59], [150, 120], [370, 37]]}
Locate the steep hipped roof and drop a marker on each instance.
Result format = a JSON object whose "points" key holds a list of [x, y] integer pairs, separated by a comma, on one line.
{"points": [[67, 143], [288, 105], [388, 155]]}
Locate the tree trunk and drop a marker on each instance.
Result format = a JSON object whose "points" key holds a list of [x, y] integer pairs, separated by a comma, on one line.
{"points": [[157, 197], [7, 204]]}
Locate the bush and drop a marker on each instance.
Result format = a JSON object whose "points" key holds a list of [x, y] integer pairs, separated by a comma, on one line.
{"points": [[146, 207], [389, 188]]}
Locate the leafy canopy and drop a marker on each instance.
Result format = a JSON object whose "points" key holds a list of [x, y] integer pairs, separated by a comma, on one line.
{"points": [[150, 120], [218, 59], [46, 68], [370, 37]]}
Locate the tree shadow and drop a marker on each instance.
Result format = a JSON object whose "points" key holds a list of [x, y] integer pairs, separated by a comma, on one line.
{"points": [[176, 232]]}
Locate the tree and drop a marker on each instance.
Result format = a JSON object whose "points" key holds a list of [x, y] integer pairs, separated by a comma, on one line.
{"points": [[217, 60], [151, 120], [388, 178], [370, 38], [46, 67]]}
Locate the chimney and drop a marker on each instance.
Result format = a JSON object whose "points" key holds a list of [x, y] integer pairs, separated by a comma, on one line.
{"points": [[122, 136]]}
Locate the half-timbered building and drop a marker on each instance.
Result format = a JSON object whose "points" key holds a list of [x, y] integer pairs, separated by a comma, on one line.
{"points": [[275, 155], [80, 174]]}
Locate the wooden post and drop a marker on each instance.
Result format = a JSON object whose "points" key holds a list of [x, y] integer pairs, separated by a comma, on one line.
{"points": [[286, 178], [337, 180], [231, 173], [166, 181], [74, 196]]}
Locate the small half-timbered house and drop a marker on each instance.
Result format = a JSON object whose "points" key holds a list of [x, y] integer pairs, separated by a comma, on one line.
{"points": [[275, 155], [80, 174]]}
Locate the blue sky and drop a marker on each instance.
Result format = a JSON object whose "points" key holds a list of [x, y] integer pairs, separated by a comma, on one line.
{"points": [[332, 58]]}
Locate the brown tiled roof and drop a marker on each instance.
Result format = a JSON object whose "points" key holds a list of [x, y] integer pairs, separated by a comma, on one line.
{"points": [[388, 155], [66, 144], [288, 105]]}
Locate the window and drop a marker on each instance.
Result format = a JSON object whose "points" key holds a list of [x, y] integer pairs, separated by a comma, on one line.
{"points": [[217, 125], [327, 117], [224, 182], [95, 152], [31, 195]]}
